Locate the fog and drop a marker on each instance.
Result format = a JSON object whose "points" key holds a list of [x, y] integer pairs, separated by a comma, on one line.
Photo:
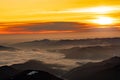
{"points": [[66, 53], [10, 57]]}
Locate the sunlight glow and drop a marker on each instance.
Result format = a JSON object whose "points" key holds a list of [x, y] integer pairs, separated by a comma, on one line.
{"points": [[103, 20], [98, 10], [102, 10]]}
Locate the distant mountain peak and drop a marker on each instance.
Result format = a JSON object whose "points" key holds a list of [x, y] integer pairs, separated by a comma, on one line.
{"points": [[6, 48], [115, 59], [2, 46]]}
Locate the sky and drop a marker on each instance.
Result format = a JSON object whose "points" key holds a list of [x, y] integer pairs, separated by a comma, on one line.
{"points": [[63, 16], [48, 10]]}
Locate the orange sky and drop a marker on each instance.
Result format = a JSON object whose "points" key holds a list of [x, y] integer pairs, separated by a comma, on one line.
{"points": [[18, 13]]}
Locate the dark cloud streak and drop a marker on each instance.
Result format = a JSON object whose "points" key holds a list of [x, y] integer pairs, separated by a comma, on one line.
{"points": [[50, 26]]}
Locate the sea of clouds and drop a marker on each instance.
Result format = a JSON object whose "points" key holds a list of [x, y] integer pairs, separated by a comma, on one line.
{"points": [[16, 57]]}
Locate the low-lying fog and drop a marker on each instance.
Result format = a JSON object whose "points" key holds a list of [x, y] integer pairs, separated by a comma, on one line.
{"points": [[65, 53], [11, 57]]}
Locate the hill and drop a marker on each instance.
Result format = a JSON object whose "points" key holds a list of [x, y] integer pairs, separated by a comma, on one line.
{"points": [[4, 48], [105, 70]]}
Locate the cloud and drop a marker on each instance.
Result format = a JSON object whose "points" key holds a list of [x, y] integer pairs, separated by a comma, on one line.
{"points": [[94, 10], [48, 27], [10, 57], [52, 27]]}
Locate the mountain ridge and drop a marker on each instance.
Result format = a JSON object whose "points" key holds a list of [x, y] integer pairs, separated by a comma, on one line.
{"points": [[105, 70]]}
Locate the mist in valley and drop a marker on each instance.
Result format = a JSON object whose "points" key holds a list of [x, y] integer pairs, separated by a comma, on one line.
{"points": [[66, 53]]}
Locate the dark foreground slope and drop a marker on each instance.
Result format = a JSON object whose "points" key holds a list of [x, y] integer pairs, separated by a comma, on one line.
{"points": [[39, 65], [105, 70], [31, 70], [7, 72], [34, 75]]}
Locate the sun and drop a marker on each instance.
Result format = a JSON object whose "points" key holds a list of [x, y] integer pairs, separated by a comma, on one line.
{"points": [[103, 20]]}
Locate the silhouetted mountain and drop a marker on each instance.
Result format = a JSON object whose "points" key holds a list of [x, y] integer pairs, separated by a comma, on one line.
{"points": [[105, 70], [31, 70], [7, 72], [91, 52], [35, 75], [44, 44], [4, 48], [38, 65]]}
